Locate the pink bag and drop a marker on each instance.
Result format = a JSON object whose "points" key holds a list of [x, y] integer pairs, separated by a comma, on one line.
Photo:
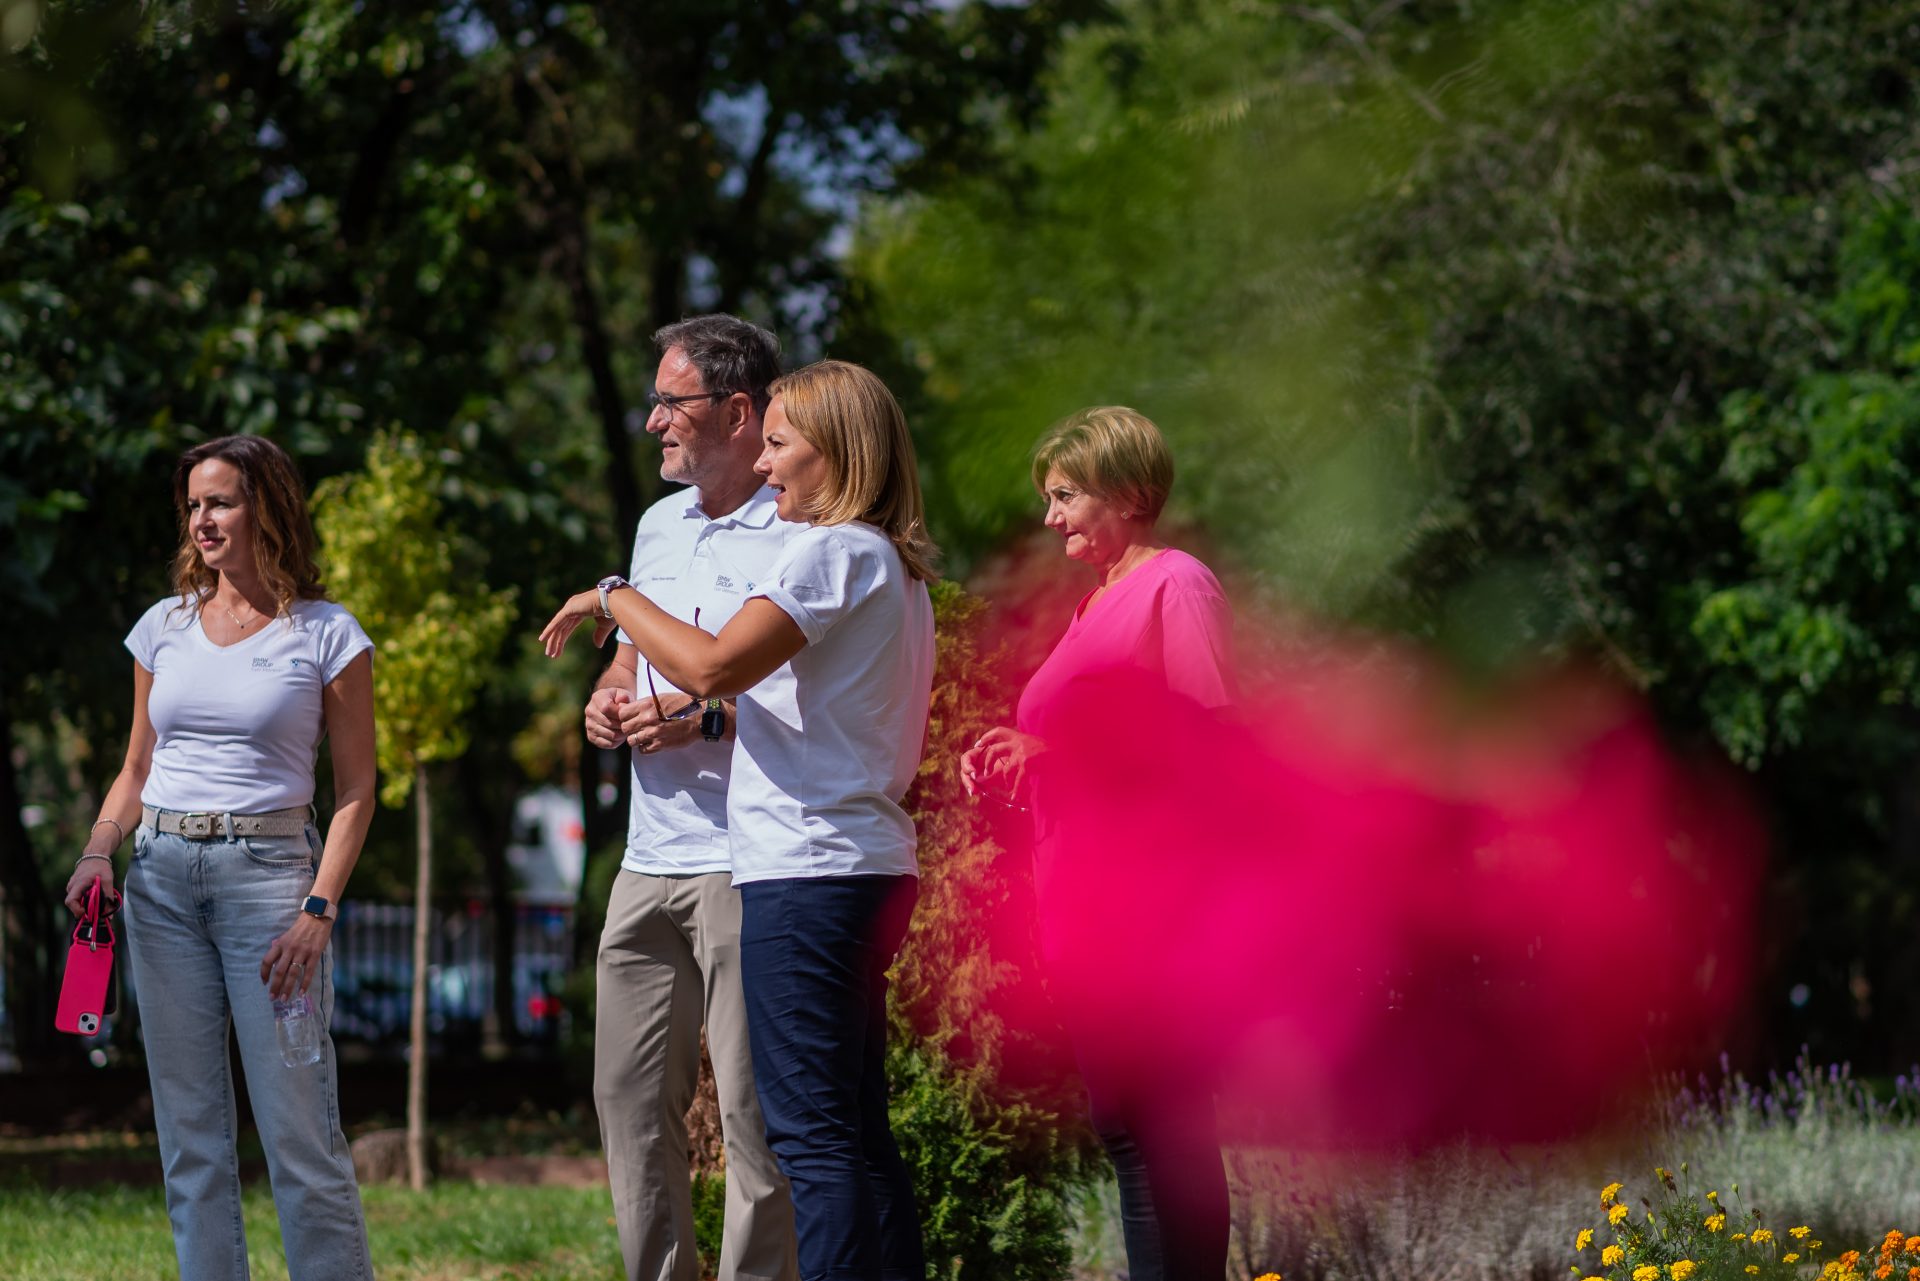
{"points": [[89, 977]]}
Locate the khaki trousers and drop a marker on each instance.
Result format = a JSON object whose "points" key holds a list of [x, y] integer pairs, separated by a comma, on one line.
{"points": [[670, 959]]}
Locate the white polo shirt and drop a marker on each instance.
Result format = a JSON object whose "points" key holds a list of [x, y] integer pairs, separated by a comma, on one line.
{"points": [[237, 728], [828, 743], [683, 561]]}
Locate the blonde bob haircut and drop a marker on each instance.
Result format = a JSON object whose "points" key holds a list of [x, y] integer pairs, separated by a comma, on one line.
{"points": [[1112, 452], [847, 413]]}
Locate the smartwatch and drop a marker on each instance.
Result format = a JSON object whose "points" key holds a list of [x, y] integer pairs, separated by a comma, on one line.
{"points": [[317, 906], [713, 721], [605, 585]]}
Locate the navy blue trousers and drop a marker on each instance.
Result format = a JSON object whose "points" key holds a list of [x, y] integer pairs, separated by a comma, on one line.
{"points": [[813, 962]]}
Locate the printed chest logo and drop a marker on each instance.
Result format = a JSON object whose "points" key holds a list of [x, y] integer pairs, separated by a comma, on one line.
{"points": [[267, 664]]}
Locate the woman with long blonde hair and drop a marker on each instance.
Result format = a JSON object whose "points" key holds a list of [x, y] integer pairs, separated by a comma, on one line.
{"points": [[831, 660]]}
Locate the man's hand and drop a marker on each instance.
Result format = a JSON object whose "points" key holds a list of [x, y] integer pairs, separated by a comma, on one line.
{"points": [[604, 711], [644, 729]]}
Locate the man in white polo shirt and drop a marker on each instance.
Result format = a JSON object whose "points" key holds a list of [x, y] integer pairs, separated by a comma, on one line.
{"points": [[669, 955]]}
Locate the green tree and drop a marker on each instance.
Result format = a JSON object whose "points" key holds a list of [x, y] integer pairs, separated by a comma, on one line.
{"points": [[391, 562]]}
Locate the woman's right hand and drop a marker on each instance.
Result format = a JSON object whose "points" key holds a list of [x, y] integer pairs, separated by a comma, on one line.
{"points": [[85, 873], [999, 754]]}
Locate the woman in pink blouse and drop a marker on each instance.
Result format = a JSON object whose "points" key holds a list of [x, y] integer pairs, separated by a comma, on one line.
{"points": [[1157, 620]]}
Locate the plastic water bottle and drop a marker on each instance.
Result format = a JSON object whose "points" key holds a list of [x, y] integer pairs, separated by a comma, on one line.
{"points": [[299, 1029]]}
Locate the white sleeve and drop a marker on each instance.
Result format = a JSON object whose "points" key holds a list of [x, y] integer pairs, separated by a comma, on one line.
{"points": [[145, 636], [824, 574], [342, 640]]}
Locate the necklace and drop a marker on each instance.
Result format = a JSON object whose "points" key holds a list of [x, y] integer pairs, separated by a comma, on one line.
{"points": [[242, 624]]}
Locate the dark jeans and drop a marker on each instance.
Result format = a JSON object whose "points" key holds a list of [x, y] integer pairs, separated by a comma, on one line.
{"points": [[813, 962], [1165, 1147]]}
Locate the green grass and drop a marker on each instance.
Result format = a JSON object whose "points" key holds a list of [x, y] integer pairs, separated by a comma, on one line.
{"points": [[453, 1230]]}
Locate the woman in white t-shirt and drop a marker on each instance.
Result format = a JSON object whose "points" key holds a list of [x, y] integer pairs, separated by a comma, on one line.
{"points": [[831, 659], [230, 897]]}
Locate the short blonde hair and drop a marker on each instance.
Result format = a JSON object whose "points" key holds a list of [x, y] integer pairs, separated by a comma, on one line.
{"points": [[846, 412], [1112, 452]]}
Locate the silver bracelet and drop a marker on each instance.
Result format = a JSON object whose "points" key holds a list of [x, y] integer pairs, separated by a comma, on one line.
{"points": [[84, 857], [118, 830]]}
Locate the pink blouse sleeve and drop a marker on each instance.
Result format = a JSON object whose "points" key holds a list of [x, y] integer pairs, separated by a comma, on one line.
{"points": [[1196, 644]]}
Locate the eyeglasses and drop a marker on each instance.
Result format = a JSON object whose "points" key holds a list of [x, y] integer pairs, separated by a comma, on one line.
{"points": [[658, 399], [694, 704]]}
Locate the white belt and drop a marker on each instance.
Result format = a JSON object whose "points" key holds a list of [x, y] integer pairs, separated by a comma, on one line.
{"points": [[203, 827]]}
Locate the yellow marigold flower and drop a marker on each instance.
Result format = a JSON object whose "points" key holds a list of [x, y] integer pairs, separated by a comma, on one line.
{"points": [[1850, 1258], [1714, 1222], [1584, 1240], [1612, 1255], [1646, 1272], [1617, 1213], [1738, 1236], [1713, 1196], [1268, 1276], [1608, 1193], [1681, 1270], [1762, 1235], [1790, 1257], [1884, 1271], [1799, 1233], [1753, 1269], [1913, 1245]]}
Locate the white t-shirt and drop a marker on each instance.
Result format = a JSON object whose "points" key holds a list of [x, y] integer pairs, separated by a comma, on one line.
{"points": [[682, 561], [239, 726], [829, 742]]}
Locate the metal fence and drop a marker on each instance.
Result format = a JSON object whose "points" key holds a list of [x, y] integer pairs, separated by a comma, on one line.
{"points": [[373, 974]]}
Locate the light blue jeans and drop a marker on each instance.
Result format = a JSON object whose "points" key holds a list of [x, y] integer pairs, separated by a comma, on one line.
{"points": [[199, 917]]}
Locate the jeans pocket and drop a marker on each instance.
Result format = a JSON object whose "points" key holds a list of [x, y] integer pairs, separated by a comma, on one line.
{"points": [[283, 853], [142, 841]]}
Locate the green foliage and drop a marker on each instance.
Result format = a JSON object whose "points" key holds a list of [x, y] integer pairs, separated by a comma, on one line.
{"points": [[992, 1205], [1828, 617], [391, 562]]}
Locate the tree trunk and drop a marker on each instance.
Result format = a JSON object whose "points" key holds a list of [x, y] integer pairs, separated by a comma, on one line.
{"points": [[26, 926], [417, 1041]]}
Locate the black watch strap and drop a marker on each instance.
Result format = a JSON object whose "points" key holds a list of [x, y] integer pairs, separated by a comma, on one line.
{"points": [[713, 721]]}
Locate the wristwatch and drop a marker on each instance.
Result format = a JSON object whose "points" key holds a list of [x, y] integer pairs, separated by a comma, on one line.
{"points": [[607, 584], [713, 721], [317, 906]]}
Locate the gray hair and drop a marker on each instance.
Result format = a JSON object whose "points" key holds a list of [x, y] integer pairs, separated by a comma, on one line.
{"points": [[728, 353]]}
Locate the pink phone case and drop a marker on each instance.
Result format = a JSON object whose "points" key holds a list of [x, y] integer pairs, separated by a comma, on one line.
{"points": [[83, 992]]}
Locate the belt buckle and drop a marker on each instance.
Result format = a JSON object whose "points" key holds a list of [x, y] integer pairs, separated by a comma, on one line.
{"points": [[197, 827]]}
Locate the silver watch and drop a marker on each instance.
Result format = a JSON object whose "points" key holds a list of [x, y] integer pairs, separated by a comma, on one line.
{"points": [[607, 584]]}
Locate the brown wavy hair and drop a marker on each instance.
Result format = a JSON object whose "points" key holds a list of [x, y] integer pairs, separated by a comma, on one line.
{"points": [[283, 541], [846, 412]]}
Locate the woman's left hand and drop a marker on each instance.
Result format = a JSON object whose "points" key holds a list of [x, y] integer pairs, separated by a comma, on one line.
{"points": [[998, 755], [293, 958], [578, 609]]}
